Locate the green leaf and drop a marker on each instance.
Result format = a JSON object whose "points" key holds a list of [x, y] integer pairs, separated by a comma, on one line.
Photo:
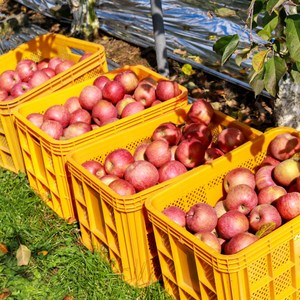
{"points": [[272, 5], [242, 56], [270, 23], [225, 12], [225, 46], [293, 36], [257, 82], [295, 72], [258, 60], [275, 68]]}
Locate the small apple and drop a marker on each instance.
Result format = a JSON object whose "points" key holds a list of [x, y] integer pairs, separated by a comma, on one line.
{"points": [[132, 108], [76, 129], [211, 154], [3, 94], [139, 152], [63, 66], [108, 178], [142, 175], [89, 96], [264, 214], [220, 208], [54, 61], [231, 223], [270, 193], [158, 153], [201, 217], [145, 94], [167, 89], [117, 161], [239, 242], [270, 160], [287, 171], [200, 111], [113, 91], [122, 103], [72, 103], [239, 175], [242, 198], [288, 205], [39, 77], [230, 138], [176, 214], [58, 113], [168, 131], [264, 177], [25, 68], [171, 169], [36, 118], [102, 111], [8, 79], [128, 79], [122, 187], [53, 128], [198, 131], [100, 81], [20, 88]]}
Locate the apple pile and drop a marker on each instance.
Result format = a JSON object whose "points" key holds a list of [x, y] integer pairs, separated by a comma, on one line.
{"points": [[254, 203], [104, 101], [29, 74], [170, 151]]}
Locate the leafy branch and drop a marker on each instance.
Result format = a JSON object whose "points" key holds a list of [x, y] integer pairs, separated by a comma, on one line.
{"points": [[277, 23]]}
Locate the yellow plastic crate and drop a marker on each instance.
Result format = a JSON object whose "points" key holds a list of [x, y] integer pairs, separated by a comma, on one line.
{"points": [[267, 269], [119, 224], [44, 157], [45, 46]]}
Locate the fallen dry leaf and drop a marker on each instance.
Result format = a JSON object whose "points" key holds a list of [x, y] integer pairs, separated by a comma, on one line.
{"points": [[5, 293], [3, 249], [23, 255]]}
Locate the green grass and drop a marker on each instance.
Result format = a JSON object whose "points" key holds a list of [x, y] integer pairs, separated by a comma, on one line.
{"points": [[59, 267]]}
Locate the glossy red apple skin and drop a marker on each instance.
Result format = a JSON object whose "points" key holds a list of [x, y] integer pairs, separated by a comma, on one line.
{"points": [[58, 113], [36, 118], [76, 129], [25, 68], [200, 111], [53, 128], [64, 66], [220, 208], [176, 214], [132, 109], [72, 103], [239, 242], [122, 103], [8, 79], [284, 146], [128, 79], [108, 178], [242, 198], [89, 96], [190, 152], [113, 91], [269, 194], [139, 152], [54, 61], [263, 214], [201, 217], [264, 177], [100, 81], [171, 169], [145, 94], [158, 153], [20, 88], [102, 111], [198, 131], [80, 115], [117, 161], [142, 175], [230, 138], [93, 167], [239, 175], [3, 94], [231, 223], [122, 187], [167, 131], [289, 205], [211, 154], [38, 78], [167, 89], [269, 160]]}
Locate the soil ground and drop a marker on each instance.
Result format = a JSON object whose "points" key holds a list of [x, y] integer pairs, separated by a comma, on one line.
{"points": [[225, 96]]}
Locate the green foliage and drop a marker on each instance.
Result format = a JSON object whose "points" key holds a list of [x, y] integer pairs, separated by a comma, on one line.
{"points": [[59, 266], [277, 22]]}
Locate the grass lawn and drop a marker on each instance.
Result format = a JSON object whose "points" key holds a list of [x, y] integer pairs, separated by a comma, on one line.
{"points": [[59, 266]]}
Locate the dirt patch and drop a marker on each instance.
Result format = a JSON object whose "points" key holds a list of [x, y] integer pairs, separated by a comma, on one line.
{"points": [[225, 96]]}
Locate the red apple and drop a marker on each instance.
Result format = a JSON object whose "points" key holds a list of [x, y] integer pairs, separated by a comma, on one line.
{"points": [[89, 96], [200, 111], [270, 193], [211, 154], [198, 131], [54, 61], [132, 108], [190, 152], [264, 214], [117, 161], [49, 72], [220, 208], [53, 128], [36, 118], [20, 88], [145, 94], [149, 80], [103, 111], [100, 81], [142, 175], [283, 146], [289, 205], [287, 172], [239, 175], [122, 187], [158, 153], [201, 217], [230, 138], [80, 115], [231, 223], [63, 66], [94, 167], [176, 214], [42, 64], [25, 68], [39, 77], [122, 103], [167, 89], [209, 239], [108, 178], [3, 94], [168, 131], [76, 129], [241, 197], [156, 102], [264, 177], [8, 79], [171, 169], [72, 103], [239, 242], [58, 113], [128, 79], [113, 91], [270, 160]]}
